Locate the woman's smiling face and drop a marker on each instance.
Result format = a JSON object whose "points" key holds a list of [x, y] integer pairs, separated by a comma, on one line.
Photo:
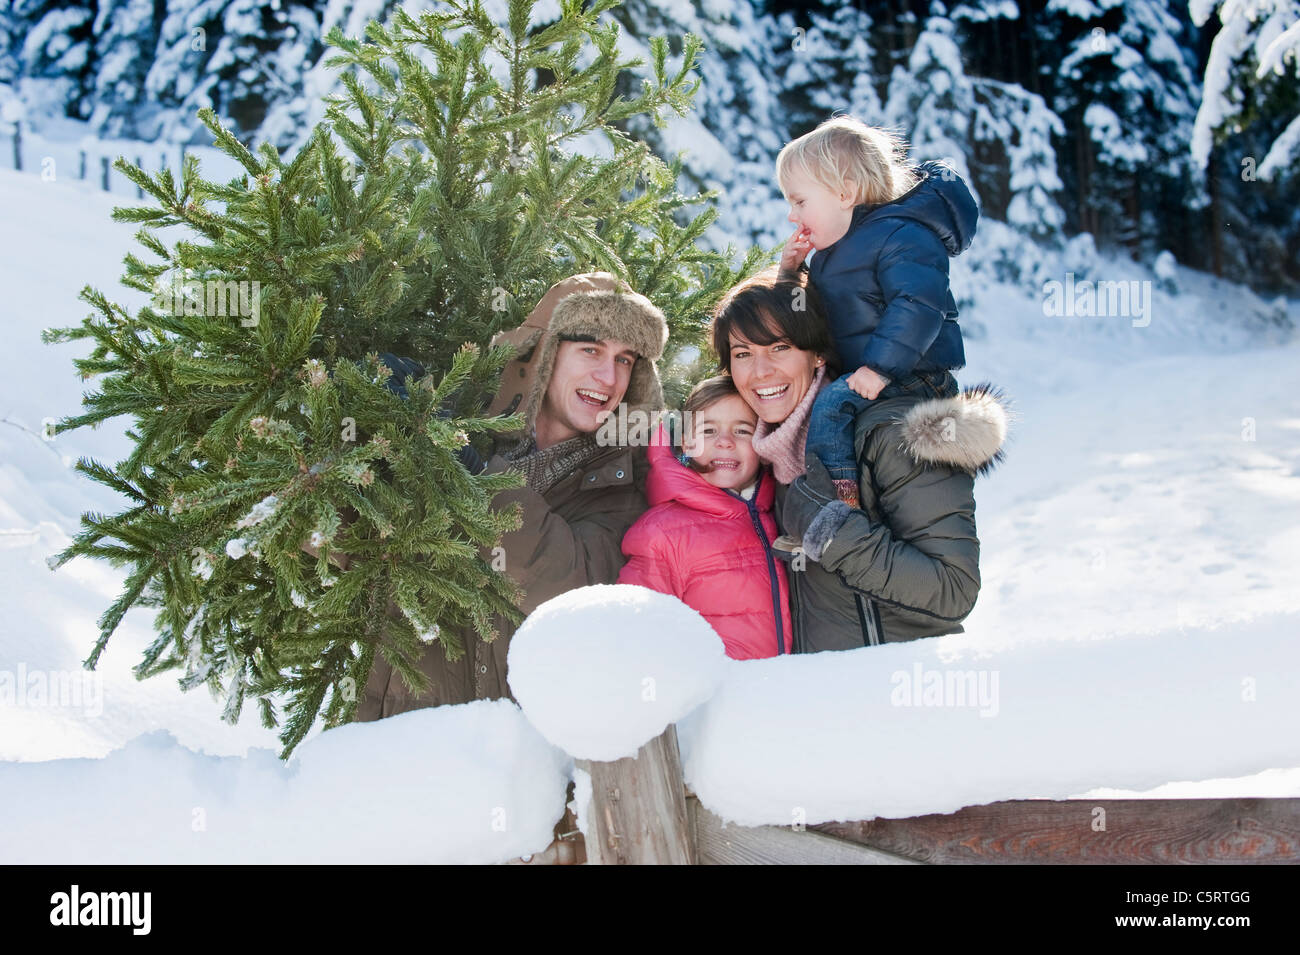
{"points": [[772, 378]]}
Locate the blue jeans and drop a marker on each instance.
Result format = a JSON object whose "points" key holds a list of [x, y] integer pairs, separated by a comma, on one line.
{"points": [[835, 414]]}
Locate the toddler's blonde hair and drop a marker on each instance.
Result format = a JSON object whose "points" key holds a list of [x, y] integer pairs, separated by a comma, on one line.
{"points": [[844, 151]]}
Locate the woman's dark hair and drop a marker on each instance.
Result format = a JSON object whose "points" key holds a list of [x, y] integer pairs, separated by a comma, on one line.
{"points": [[765, 308]]}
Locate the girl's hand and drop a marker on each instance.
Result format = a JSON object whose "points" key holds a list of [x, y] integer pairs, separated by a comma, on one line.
{"points": [[795, 251]]}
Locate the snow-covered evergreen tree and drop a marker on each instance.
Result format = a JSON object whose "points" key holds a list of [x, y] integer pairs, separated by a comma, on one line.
{"points": [[729, 142], [1125, 90], [9, 40], [1258, 47], [53, 44], [1013, 135], [830, 68], [931, 100], [126, 36], [236, 57]]}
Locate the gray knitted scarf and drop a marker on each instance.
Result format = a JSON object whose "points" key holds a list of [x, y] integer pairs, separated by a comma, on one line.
{"points": [[542, 470]]}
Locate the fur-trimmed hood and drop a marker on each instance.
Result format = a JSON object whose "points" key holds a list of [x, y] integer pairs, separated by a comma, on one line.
{"points": [[940, 201], [967, 431], [595, 304]]}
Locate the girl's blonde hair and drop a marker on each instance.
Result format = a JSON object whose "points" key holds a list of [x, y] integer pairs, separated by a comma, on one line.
{"points": [[844, 151]]}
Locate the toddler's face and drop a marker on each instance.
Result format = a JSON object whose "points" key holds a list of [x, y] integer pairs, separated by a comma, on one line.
{"points": [[721, 443], [823, 214]]}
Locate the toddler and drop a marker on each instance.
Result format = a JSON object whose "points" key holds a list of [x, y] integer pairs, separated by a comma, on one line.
{"points": [[883, 231]]}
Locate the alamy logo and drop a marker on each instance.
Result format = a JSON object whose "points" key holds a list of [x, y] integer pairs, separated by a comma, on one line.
{"points": [[71, 688], [954, 688], [212, 298], [635, 428], [1085, 299], [102, 908]]}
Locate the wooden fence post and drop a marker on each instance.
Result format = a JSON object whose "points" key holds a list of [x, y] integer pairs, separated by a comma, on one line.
{"points": [[18, 146], [637, 814], [139, 161], [103, 172], [83, 165]]}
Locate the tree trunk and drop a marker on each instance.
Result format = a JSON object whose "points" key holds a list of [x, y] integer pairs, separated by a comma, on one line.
{"points": [[1216, 217]]}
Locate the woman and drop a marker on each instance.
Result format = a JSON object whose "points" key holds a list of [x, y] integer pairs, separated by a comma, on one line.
{"points": [[905, 565]]}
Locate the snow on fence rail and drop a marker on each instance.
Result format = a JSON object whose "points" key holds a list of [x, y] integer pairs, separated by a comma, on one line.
{"points": [[876, 746], [86, 157], [911, 729]]}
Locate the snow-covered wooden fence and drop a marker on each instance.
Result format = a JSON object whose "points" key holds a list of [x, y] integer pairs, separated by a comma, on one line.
{"points": [[614, 675], [1032, 831]]}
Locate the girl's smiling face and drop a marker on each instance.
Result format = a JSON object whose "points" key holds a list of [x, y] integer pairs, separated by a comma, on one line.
{"points": [[772, 378], [721, 444]]}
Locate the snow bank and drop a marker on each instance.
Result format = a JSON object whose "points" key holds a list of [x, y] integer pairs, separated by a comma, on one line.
{"points": [[602, 670], [924, 727], [453, 784]]}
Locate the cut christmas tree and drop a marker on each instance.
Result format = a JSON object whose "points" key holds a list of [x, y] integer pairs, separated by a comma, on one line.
{"points": [[466, 170]]}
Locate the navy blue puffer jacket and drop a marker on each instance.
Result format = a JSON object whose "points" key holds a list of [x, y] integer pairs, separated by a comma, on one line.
{"points": [[885, 284]]}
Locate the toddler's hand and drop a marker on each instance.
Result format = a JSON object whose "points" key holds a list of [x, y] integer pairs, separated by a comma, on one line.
{"points": [[866, 383], [795, 251]]}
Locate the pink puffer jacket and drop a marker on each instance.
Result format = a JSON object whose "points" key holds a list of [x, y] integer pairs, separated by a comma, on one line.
{"points": [[712, 549]]}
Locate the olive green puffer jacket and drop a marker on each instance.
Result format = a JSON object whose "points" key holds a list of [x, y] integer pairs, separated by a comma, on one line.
{"points": [[907, 564]]}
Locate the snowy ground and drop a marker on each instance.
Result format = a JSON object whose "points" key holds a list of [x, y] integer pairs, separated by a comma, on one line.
{"points": [[1152, 485]]}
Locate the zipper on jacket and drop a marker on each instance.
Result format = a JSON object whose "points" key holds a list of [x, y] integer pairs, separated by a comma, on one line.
{"points": [[869, 622], [796, 637], [771, 566]]}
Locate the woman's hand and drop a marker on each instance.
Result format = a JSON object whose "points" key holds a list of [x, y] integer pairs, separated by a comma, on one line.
{"points": [[812, 512]]}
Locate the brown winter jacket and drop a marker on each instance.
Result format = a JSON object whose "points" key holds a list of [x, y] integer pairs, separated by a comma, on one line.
{"points": [[570, 537]]}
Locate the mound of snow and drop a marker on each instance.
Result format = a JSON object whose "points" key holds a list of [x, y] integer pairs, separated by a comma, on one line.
{"points": [[449, 784], [602, 670]]}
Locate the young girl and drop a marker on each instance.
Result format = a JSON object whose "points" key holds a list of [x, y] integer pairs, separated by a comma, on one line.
{"points": [[883, 231], [707, 538]]}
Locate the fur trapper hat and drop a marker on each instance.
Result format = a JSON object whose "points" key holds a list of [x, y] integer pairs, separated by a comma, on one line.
{"points": [[594, 304]]}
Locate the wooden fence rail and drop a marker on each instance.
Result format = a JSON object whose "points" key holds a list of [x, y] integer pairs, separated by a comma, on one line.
{"points": [[641, 812]]}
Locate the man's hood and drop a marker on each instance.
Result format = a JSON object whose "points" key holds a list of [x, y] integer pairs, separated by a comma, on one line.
{"points": [[596, 304], [966, 432], [940, 201]]}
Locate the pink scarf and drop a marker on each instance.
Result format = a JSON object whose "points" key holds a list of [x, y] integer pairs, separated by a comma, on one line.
{"points": [[782, 445]]}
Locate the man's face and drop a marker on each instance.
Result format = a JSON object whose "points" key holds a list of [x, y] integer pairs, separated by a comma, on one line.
{"points": [[588, 378], [820, 213]]}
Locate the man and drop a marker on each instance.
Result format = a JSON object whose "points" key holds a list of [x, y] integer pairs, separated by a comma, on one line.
{"points": [[590, 344]]}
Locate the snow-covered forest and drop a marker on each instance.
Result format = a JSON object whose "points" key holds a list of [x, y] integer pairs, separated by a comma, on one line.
{"points": [[1135, 631], [1151, 125]]}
